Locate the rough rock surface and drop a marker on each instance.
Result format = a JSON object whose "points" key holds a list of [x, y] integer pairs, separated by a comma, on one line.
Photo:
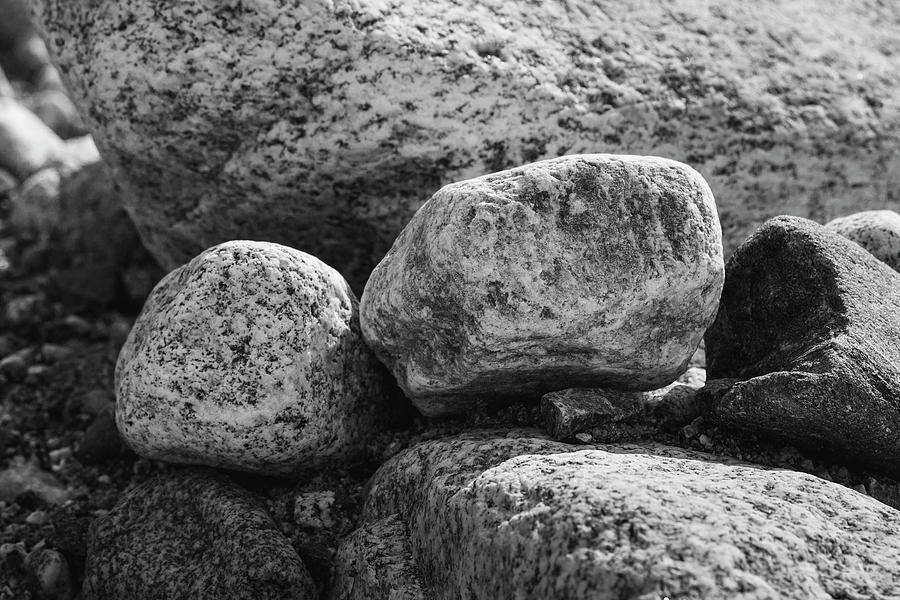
{"points": [[632, 522], [878, 231], [191, 535], [567, 412], [590, 270], [324, 125], [249, 357], [375, 562], [811, 321]]}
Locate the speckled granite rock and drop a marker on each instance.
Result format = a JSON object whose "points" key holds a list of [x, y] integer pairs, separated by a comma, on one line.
{"points": [[570, 411], [878, 231], [811, 321], [324, 125], [191, 535], [375, 563], [623, 522], [249, 357], [26, 144], [583, 271]]}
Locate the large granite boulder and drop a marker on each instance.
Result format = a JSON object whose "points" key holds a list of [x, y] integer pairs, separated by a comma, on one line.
{"points": [[524, 518], [810, 321], [588, 270], [192, 535], [250, 357], [878, 231], [324, 125]]}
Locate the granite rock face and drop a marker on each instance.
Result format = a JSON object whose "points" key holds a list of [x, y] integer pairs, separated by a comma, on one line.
{"points": [[324, 125], [249, 357], [630, 521], [878, 231], [589, 270], [375, 562], [191, 535], [810, 321]]}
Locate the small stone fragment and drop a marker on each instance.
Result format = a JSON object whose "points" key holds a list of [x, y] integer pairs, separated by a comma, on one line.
{"points": [[51, 570], [313, 510], [21, 477], [250, 358], [878, 231], [375, 563], [101, 440], [193, 535], [583, 271], [809, 322], [26, 144]]}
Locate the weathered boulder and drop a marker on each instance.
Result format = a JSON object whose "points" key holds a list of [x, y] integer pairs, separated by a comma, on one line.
{"points": [[249, 357], [811, 322], [630, 522], [589, 270], [193, 534], [878, 231], [324, 125]]}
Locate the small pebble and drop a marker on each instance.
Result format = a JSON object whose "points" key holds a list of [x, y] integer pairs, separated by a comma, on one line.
{"points": [[38, 517], [53, 353], [36, 373], [104, 480], [60, 454], [51, 570], [14, 367], [78, 324], [584, 438], [705, 441]]}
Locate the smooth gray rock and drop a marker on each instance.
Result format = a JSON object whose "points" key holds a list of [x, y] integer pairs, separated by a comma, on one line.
{"points": [[630, 521], [26, 144], [250, 357], [325, 125], [878, 231], [584, 271], [810, 321], [192, 535]]}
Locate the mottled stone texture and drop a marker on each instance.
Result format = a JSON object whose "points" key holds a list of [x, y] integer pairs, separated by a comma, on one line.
{"points": [[191, 535], [249, 357], [375, 563], [811, 322], [325, 124], [588, 270], [630, 521], [878, 231]]}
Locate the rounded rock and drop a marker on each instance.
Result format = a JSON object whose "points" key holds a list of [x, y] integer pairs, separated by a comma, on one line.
{"points": [[878, 231], [249, 357], [591, 270]]}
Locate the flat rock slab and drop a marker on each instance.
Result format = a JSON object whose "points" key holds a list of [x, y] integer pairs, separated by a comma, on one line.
{"points": [[324, 125], [811, 322], [878, 231], [250, 357], [584, 271], [192, 535], [633, 522], [570, 411]]}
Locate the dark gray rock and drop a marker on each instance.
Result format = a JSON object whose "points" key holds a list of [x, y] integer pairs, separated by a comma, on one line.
{"points": [[524, 518], [101, 441], [593, 270], [811, 322], [376, 562], [51, 574], [192, 535], [245, 128], [878, 231]]}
